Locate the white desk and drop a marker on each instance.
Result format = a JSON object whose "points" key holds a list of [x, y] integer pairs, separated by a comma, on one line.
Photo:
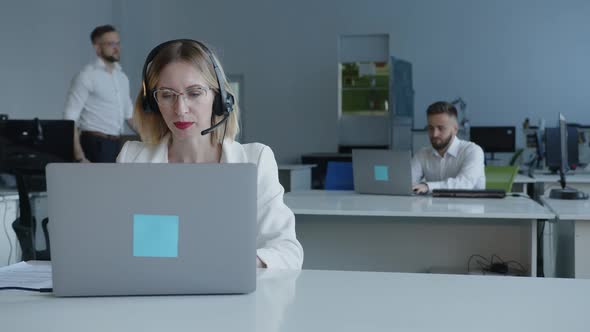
{"points": [[323, 301], [525, 179], [545, 181], [571, 236], [521, 184], [342, 230]]}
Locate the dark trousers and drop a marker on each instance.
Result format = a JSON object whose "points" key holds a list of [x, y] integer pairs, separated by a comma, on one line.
{"points": [[99, 149]]}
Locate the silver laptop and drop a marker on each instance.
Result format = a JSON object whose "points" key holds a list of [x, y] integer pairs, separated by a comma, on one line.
{"points": [[382, 172], [152, 229]]}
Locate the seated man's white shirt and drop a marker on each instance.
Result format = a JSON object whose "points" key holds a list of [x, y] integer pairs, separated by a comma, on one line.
{"points": [[461, 167], [277, 244]]}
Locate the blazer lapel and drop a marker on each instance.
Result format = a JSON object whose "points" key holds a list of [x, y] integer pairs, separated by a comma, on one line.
{"points": [[233, 152]]}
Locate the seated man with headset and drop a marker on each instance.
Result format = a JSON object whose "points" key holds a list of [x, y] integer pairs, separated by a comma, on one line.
{"points": [[450, 163]]}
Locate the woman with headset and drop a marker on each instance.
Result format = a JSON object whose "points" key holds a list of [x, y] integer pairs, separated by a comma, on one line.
{"points": [[185, 113]]}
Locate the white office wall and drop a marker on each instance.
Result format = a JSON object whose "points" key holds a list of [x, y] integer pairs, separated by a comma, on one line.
{"points": [[44, 44], [507, 59]]}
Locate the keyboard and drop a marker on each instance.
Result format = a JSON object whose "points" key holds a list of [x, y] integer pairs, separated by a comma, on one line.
{"points": [[469, 193]]}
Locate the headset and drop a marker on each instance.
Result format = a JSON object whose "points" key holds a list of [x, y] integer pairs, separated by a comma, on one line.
{"points": [[224, 101]]}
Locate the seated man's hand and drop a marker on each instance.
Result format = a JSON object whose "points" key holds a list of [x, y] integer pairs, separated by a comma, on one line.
{"points": [[420, 188]]}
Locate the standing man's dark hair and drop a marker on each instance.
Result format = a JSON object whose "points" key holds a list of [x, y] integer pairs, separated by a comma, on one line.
{"points": [[99, 31], [441, 107]]}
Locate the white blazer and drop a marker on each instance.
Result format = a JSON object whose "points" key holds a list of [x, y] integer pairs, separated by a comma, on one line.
{"points": [[277, 245]]}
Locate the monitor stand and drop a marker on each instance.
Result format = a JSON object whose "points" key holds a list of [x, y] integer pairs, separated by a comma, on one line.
{"points": [[564, 192]]}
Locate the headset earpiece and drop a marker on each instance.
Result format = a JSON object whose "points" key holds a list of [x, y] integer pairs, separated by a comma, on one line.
{"points": [[218, 108], [148, 103]]}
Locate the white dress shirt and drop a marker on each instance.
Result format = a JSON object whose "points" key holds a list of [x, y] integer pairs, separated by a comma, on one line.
{"points": [[277, 244], [462, 167], [99, 100]]}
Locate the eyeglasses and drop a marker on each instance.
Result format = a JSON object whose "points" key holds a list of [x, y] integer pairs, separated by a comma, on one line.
{"points": [[193, 96], [112, 44]]}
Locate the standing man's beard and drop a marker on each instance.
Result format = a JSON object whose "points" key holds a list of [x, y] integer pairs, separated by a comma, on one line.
{"points": [[442, 145], [111, 59]]}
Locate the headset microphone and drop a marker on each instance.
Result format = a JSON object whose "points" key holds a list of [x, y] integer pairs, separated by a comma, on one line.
{"points": [[213, 127]]}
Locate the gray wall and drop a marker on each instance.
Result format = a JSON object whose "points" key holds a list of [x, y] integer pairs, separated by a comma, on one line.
{"points": [[508, 60], [44, 44]]}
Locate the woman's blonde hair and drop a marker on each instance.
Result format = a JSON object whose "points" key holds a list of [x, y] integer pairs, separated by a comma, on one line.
{"points": [[151, 125]]}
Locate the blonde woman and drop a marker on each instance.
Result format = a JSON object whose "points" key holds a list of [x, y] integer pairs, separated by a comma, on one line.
{"points": [[183, 116]]}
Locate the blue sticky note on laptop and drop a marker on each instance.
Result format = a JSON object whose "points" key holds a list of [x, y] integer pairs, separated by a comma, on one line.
{"points": [[155, 235], [381, 173]]}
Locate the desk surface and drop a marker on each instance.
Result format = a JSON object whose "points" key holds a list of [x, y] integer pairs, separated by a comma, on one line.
{"points": [[574, 177], [323, 301], [570, 178], [520, 178], [569, 209], [349, 203]]}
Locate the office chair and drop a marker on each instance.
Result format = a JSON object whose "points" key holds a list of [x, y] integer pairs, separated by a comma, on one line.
{"points": [[500, 177], [515, 157], [339, 176]]}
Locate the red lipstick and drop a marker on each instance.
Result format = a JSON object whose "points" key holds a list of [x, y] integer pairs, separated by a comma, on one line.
{"points": [[182, 125]]}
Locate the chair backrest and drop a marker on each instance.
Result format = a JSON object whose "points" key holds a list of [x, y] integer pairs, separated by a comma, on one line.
{"points": [[339, 176], [500, 177]]}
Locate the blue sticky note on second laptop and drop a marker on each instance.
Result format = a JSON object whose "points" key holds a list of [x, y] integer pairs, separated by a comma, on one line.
{"points": [[155, 235], [381, 173]]}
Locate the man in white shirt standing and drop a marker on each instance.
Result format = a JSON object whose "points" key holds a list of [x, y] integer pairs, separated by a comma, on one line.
{"points": [[99, 102], [450, 163]]}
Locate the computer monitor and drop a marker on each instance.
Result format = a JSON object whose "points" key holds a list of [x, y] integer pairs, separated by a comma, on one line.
{"points": [[564, 138], [494, 139], [553, 148], [29, 145]]}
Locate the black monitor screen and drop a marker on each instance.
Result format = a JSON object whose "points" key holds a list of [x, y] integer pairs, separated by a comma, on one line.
{"points": [[553, 147], [32, 144], [494, 139]]}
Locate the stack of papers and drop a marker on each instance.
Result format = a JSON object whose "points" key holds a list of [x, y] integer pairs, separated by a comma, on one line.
{"points": [[32, 274]]}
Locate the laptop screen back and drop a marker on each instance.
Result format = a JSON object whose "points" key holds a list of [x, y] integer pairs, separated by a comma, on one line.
{"points": [[382, 172], [148, 229]]}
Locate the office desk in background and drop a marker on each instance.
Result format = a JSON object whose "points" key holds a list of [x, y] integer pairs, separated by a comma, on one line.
{"points": [[523, 184], [543, 181], [343, 230], [578, 180], [322, 301], [571, 236]]}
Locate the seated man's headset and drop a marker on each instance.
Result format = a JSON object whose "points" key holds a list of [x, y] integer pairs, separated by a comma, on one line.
{"points": [[223, 104]]}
